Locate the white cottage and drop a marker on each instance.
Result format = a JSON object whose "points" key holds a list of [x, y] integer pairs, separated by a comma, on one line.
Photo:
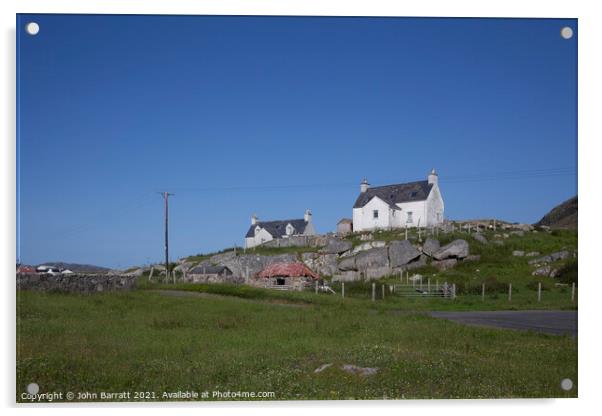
{"points": [[263, 231], [414, 204]]}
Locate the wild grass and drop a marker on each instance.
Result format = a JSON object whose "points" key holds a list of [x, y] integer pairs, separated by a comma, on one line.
{"points": [[146, 341]]}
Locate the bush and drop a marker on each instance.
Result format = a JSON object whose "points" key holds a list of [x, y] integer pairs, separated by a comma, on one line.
{"points": [[568, 273]]}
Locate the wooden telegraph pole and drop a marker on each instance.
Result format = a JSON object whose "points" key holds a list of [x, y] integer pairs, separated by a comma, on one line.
{"points": [[166, 196]]}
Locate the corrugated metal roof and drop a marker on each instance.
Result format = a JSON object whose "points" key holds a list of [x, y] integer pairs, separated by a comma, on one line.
{"points": [[287, 270]]}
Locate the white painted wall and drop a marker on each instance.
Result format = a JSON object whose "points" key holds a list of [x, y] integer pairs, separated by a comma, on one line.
{"points": [[363, 218], [425, 213], [260, 237]]}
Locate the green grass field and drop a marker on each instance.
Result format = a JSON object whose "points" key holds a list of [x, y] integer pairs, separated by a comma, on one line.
{"points": [[258, 340], [217, 337]]}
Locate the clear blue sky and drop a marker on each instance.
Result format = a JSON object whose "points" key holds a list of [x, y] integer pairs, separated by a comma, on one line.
{"points": [[274, 115]]}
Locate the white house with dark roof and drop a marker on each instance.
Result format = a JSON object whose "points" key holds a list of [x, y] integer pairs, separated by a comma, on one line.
{"points": [[263, 231], [413, 204]]}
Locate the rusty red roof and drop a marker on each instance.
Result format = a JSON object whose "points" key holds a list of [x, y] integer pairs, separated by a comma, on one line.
{"points": [[287, 270]]}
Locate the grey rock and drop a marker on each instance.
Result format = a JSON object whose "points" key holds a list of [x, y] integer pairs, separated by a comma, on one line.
{"points": [[362, 371], [542, 271], [347, 264], [337, 246], [498, 242], [402, 252], [472, 257], [323, 264], [322, 368], [518, 253], [444, 264], [367, 246], [559, 255], [430, 246], [375, 257], [378, 272], [75, 283], [222, 257], [416, 264], [254, 263], [532, 254], [456, 249], [348, 276], [480, 238], [519, 233]]}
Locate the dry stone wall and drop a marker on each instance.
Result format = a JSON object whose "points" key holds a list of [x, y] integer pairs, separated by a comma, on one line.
{"points": [[75, 283]]}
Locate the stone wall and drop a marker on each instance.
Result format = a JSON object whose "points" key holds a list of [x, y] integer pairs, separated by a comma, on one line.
{"points": [[75, 283]]}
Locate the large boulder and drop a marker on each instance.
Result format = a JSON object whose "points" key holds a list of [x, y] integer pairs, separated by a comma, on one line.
{"points": [[368, 246], [378, 272], [416, 264], [402, 252], [347, 264], [323, 264], [430, 246], [336, 246], [376, 257], [254, 263], [456, 249]]}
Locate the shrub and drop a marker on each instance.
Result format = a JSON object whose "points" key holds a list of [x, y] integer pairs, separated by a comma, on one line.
{"points": [[568, 273]]}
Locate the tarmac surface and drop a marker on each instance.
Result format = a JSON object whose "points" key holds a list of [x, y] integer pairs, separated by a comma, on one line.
{"points": [[549, 322]]}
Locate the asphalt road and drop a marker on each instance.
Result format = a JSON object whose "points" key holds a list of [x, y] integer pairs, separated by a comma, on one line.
{"points": [[549, 322]]}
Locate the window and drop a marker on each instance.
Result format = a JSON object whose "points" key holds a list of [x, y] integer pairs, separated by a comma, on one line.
{"points": [[375, 214], [410, 217], [280, 281], [257, 230]]}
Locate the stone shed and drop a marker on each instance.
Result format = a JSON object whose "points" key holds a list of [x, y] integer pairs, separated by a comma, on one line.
{"points": [[286, 276], [209, 274], [345, 226]]}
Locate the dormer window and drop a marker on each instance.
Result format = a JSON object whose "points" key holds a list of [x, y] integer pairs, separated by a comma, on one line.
{"points": [[290, 229], [413, 194], [257, 230]]}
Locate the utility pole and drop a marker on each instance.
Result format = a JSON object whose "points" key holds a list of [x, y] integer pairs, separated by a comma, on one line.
{"points": [[166, 196]]}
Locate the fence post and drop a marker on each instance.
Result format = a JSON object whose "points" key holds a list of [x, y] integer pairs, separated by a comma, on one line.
{"points": [[373, 292], [573, 293], [383, 290], [401, 276], [428, 283], [437, 285], [316, 287], [509, 292], [483, 292], [539, 292], [406, 231], [343, 289], [468, 228], [454, 291]]}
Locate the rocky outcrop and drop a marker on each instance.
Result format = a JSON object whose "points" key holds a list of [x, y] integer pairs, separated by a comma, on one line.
{"points": [[456, 249], [376, 257], [347, 264], [401, 253], [323, 264], [559, 255], [336, 246], [430, 246], [367, 246], [562, 216], [252, 263]]}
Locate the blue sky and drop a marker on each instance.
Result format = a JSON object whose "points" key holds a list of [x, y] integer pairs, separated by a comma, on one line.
{"points": [[274, 115]]}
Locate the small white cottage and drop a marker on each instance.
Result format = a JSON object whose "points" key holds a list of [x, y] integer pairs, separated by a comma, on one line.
{"points": [[263, 231], [414, 204]]}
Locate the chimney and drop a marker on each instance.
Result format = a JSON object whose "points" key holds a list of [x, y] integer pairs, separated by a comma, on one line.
{"points": [[364, 185], [253, 219], [307, 216], [433, 178]]}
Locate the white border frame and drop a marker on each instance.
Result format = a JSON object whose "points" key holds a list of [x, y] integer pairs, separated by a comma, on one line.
{"points": [[590, 70]]}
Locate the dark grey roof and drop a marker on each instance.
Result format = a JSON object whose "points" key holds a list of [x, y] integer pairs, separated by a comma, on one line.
{"points": [[210, 270], [395, 194], [278, 228]]}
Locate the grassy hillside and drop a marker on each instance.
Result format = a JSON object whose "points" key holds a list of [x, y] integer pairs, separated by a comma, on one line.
{"points": [[147, 341]]}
